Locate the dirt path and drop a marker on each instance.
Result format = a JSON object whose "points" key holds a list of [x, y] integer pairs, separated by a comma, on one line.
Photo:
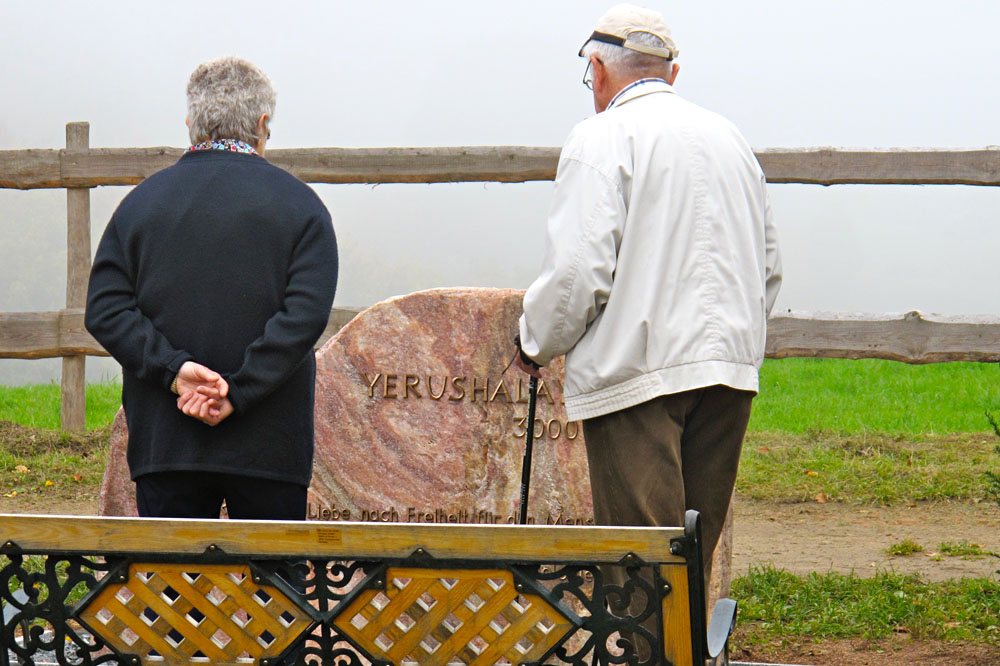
{"points": [[803, 538], [839, 537]]}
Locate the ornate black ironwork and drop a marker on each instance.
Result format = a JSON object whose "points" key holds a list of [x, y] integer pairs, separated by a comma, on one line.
{"points": [[47, 611], [321, 588], [615, 609], [610, 612]]}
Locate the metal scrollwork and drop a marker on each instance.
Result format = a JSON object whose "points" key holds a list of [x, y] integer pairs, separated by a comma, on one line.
{"points": [[328, 646], [321, 587], [321, 584], [40, 589], [616, 605]]}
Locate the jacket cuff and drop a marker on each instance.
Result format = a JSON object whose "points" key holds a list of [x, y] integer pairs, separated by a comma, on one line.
{"points": [[528, 346], [235, 396]]}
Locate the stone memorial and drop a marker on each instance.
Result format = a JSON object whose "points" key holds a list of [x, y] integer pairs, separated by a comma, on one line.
{"points": [[420, 419]]}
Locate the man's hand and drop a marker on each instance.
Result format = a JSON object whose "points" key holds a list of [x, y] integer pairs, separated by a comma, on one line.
{"points": [[208, 410], [196, 377], [523, 362], [532, 370]]}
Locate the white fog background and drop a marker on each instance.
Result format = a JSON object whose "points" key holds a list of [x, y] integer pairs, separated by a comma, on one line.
{"points": [[888, 73]]}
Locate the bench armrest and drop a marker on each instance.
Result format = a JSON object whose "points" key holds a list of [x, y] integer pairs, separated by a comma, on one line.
{"points": [[721, 626]]}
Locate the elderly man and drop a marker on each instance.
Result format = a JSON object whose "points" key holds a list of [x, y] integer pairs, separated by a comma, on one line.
{"points": [[212, 282], [661, 264]]}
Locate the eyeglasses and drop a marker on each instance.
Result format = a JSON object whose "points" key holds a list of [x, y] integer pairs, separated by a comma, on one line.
{"points": [[588, 76]]}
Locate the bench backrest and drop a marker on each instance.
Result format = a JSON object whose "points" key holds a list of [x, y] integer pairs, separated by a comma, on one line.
{"points": [[184, 591]]}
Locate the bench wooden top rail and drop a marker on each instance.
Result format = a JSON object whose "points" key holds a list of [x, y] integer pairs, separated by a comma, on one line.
{"points": [[270, 539]]}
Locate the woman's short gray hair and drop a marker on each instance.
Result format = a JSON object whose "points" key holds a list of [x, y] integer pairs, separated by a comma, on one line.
{"points": [[626, 61], [225, 100]]}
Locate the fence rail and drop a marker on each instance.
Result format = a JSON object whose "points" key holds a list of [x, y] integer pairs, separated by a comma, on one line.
{"points": [[911, 337], [33, 169]]}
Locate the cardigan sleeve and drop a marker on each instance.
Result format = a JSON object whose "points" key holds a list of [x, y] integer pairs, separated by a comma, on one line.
{"points": [[289, 335], [114, 319]]}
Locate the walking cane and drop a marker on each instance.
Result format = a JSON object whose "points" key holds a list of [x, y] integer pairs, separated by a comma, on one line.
{"points": [[526, 462]]}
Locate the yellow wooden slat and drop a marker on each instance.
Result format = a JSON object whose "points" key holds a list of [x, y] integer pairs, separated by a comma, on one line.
{"points": [[263, 618], [493, 607], [214, 619], [127, 617], [677, 616], [432, 620], [196, 594], [468, 617], [398, 603], [455, 599], [520, 627], [171, 618], [237, 598], [364, 606]]}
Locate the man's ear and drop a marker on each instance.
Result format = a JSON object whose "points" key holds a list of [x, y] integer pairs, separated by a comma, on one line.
{"points": [[599, 70], [673, 73], [187, 121]]}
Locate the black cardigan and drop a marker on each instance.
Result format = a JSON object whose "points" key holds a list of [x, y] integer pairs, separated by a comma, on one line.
{"points": [[229, 261]]}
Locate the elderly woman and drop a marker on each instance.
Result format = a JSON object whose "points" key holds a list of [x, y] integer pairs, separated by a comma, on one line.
{"points": [[212, 282]]}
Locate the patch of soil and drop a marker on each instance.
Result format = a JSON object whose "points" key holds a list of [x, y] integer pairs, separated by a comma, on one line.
{"points": [[895, 651], [20, 440], [807, 537], [50, 505], [846, 538]]}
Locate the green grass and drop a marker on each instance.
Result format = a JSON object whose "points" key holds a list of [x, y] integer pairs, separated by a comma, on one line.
{"points": [[37, 406], [866, 468], [905, 548], [965, 550], [798, 396], [775, 603], [803, 395]]}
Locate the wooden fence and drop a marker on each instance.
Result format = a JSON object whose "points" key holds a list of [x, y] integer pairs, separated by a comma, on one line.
{"points": [[911, 337]]}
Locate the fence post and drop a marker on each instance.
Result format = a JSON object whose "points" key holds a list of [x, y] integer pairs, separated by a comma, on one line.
{"points": [[73, 410]]}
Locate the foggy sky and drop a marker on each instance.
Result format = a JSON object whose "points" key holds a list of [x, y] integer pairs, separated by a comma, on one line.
{"points": [[387, 73]]}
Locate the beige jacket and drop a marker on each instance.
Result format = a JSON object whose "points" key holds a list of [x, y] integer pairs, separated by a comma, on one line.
{"points": [[661, 260]]}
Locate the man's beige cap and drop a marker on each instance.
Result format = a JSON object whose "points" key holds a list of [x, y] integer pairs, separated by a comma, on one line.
{"points": [[623, 20]]}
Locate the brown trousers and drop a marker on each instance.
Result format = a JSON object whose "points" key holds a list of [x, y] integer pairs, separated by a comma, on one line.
{"points": [[652, 462]]}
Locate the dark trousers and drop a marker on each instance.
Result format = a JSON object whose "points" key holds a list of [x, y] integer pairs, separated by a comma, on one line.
{"points": [[200, 495], [652, 462]]}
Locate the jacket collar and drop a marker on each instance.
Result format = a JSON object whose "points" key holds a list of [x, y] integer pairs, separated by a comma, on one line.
{"points": [[638, 89]]}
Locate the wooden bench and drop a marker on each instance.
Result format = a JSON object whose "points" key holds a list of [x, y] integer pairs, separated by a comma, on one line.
{"points": [[146, 591]]}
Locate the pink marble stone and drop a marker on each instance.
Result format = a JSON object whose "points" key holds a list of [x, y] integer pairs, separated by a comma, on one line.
{"points": [[387, 450], [117, 496], [416, 419]]}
